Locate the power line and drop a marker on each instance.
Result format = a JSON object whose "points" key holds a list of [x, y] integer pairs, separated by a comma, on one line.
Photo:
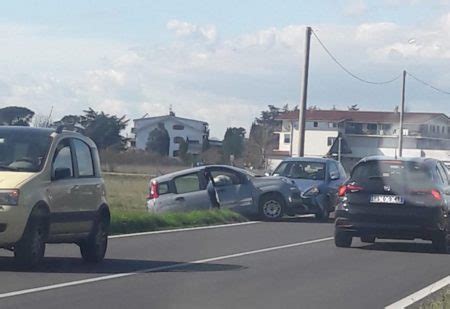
{"points": [[428, 84], [348, 71]]}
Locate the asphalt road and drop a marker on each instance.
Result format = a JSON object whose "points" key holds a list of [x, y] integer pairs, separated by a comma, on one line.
{"points": [[289, 264]]}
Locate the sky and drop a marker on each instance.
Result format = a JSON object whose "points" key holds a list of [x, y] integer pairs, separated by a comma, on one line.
{"points": [[219, 61]]}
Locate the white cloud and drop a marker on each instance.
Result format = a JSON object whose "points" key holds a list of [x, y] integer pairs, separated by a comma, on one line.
{"points": [[355, 8], [223, 81]]}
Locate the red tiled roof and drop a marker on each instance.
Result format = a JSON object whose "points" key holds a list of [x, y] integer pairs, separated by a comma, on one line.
{"points": [[361, 116]]}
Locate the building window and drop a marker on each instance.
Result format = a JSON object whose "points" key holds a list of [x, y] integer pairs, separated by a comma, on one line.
{"points": [[194, 142], [443, 130], [315, 124], [287, 138], [178, 127], [332, 125], [178, 140], [423, 129], [176, 153], [331, 140], [448, 130]]}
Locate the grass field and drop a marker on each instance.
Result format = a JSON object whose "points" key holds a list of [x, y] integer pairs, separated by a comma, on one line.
{"points": [[442, 301], [126, 196], [126, 193]]}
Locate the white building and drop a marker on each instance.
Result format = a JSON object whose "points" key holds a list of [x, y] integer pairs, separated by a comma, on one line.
{"points": [[193, 131], [365, 133]]}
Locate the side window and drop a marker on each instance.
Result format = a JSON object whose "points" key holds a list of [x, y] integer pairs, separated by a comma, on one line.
{"points": [[439, 175], [187, 183], [225, 178], [84, 158], [63, 157], [163, 188], [334, 169]]}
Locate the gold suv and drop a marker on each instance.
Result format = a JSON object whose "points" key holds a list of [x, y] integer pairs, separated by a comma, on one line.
{"points": [[51, 191]]}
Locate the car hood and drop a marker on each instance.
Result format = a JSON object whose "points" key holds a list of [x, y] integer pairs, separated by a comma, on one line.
{"points": [[305, 184], [12, 180], [271, 180]]}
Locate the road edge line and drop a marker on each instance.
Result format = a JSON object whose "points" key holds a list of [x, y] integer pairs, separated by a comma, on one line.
{"points": [[155, 269], [421, 294], [182, 229]]}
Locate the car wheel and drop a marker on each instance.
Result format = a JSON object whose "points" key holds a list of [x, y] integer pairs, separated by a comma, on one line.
{"points": [[30, 250], [271, 207], [368, 239], [342, 239], [93, 249], [441, 242]]}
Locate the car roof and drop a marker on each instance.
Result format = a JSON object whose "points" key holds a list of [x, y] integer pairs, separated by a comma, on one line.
{"points": [[170, 176], [27, 130], [403, 159], [308, 159]]}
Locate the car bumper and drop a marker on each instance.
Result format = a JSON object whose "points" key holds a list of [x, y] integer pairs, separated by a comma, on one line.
{"points": [[421, 222], [12, 224]]}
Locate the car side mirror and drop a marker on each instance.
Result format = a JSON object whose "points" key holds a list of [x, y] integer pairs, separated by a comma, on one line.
{"points": [[334, 176], [62, 173]]}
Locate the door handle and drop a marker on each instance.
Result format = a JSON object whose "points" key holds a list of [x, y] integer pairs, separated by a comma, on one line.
{"points": [[179, 199]]}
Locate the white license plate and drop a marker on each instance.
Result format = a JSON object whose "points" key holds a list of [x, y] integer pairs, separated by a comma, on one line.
{"points": [[387, 199]]}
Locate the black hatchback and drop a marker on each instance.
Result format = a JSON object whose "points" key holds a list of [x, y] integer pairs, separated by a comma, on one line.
{"points": [[395, 199]]}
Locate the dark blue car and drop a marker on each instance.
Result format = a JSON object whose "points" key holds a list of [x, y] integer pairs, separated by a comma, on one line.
{"points": [[318, 180]]}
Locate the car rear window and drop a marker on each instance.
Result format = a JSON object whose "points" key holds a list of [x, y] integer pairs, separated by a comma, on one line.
{"points": [[163, 188], [413, 172]]}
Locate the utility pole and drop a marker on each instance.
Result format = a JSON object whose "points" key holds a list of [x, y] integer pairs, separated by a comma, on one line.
{"points": [[302, 107], [402, 111]]}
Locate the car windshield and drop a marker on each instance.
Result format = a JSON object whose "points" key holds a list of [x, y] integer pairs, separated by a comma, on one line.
{"points": [[301, 170], [23, 151]]}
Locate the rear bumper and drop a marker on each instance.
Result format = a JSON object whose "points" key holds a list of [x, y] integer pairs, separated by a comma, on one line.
{"points": [[420, 223]]}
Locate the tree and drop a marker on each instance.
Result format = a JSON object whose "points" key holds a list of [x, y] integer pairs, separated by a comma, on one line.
{"points": [[233, 143], [15, 116], [42, 121], [102, 128], [268, 117], [261, 141], [158, 140]]}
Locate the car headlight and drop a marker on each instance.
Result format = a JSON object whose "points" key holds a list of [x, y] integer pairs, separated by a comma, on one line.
{"points": [[311, 192], [9, 197]]}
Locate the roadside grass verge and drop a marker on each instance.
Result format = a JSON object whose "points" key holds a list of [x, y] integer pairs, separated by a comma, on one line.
{"points": [[441, 301], [124, 222]]}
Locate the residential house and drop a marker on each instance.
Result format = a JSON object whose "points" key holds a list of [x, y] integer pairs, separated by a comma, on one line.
{"points": [[194, 132], [357, 134]]}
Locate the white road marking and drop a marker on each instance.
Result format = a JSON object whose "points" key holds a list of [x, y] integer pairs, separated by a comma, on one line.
{"points": [[155, 269], [419, 295], [183, 230]]}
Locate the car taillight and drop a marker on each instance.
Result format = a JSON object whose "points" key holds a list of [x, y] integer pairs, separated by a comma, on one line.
{"points": [[436, 194], [343, 190], [154, 190]]}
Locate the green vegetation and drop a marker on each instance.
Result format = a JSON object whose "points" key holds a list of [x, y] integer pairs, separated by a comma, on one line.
{"points": [[442, 301], [133, 222], [126, 196]]}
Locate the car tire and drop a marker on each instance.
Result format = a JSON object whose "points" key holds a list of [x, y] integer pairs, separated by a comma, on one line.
{"points": [[271, 207], [30, 250], [441, 242], [368, 239], [93, 248], [342, 239]]}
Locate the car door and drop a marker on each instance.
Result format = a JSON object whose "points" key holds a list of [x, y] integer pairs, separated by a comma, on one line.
{"points": [[88, 191], [233, 188], [190, 193], [60, 192], [335, 180]]}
